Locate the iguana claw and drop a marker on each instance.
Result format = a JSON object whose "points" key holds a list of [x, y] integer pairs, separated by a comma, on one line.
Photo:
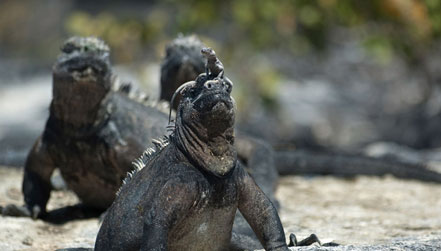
{"points": [[305, 242], [16, 211], [309, 241]]}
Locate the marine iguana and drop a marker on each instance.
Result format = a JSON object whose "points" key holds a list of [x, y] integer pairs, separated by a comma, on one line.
{"points": [[184, 61], [184, 195], [186, 57], [103, 143], [94, 131]]}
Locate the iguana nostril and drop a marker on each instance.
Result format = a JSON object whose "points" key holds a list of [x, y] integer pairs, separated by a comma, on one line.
{"points": [[209, 85]]}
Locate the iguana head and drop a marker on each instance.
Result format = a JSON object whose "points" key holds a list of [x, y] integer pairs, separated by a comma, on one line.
{"points": [[209, 102], [81, 79], [183, 62], [83, 59], [205, 123]]}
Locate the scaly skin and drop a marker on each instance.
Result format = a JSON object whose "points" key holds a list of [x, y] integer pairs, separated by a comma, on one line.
{"points": [[93, 133], [182, 57], [184, 62], [186, 196]]}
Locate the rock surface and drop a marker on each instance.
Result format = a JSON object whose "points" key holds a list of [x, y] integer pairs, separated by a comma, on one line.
{"points": [[428, 242], [365, 213]]}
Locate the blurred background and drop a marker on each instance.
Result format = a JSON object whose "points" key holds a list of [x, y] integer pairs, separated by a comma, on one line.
{"points": [[326, 74]]}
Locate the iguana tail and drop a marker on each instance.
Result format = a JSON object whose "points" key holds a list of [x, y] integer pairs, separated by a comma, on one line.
{"points": [[305, 162]]}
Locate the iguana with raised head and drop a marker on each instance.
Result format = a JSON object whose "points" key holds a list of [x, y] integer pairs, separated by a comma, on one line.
{"points": [[183, 60], [94, 131], [83, 133], [185, 193], [186, 58]]}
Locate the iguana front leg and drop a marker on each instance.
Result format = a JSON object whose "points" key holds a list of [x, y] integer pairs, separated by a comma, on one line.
{"points": [[259, 163], [258, 157], [36, 183], [261, 214], [263, 218]]}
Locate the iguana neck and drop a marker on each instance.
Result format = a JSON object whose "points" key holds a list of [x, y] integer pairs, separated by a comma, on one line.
{"points": [[77, 105], [214, 154], [79, 121]]}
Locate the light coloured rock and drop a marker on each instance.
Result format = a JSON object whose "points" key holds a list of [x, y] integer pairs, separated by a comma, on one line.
{"points": [[365, 213], [426, 243]]}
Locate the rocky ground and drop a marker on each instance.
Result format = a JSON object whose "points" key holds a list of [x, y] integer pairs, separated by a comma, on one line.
{"points": [[366, 213]]}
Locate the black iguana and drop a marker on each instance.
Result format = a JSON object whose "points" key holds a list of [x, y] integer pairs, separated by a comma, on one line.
{"points": [[185, 193], [186, 58], [96, 128], [183, 61]]}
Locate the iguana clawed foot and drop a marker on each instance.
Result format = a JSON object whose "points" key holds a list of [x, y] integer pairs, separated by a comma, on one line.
{"points": [[21, 211], [305, 242], [308, 241]]}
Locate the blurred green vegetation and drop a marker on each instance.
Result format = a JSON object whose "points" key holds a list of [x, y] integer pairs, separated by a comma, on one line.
{"points": [[238, 29], [296, 25], [245, 27], [385, 26]]}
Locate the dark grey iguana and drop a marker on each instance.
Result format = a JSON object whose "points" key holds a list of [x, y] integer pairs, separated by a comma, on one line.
{"points": [[184, 195], [81, 149], [183, 60], [186, 58], [93, 133]]}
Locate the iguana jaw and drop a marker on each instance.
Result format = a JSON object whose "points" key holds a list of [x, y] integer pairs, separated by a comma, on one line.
{"points": [[82, 67]]}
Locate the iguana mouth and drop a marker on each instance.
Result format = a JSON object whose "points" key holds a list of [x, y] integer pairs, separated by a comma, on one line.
{"points": [[82, 66]]}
